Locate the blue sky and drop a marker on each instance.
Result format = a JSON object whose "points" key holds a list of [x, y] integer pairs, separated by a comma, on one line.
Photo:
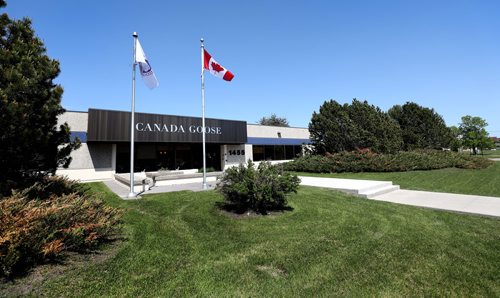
{"points": [[288, 57]]}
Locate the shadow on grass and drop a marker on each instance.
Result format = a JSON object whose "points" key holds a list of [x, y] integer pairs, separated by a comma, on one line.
{"points": [[28, 272], [239, 211]]}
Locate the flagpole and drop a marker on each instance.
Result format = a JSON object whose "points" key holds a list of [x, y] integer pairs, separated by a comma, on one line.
{"points": [[204, 185], [132, 112]]}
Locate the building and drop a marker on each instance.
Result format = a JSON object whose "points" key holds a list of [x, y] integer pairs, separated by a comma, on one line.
{"points": [[171, 142]]}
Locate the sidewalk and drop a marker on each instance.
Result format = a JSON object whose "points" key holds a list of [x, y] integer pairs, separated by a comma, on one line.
{"points": [[122, 190], [445, 201], [369, 189]]}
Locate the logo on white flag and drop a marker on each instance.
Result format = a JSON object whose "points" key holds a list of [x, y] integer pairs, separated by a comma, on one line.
{"points": [[145, 68], [147, 74]]}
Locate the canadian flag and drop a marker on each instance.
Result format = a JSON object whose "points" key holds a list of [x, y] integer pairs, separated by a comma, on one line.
{"points": [[215, 68]]}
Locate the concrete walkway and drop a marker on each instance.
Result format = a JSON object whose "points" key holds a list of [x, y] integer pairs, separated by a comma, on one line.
{"points": [[374, 190], [380, 191], [445, 201], [122, 190], [362, 188]]}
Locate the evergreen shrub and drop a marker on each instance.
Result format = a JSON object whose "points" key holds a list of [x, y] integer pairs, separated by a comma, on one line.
{"points": [[41, 228]]}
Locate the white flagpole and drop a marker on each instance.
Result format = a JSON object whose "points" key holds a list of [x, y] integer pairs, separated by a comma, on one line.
{"points": [[132, 112], [204, 185]]}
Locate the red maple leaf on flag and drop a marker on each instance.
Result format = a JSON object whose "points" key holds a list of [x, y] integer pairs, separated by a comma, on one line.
{"points": [[216, 67]]}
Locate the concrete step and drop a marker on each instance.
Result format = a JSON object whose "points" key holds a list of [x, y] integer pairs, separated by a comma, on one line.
{"points": [[363, 188], [374, 186], [140, 183], [185, 176], [378, 191], [125, 179]]}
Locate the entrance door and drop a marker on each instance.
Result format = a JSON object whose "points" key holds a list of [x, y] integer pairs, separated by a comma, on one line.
{"points": [[167, 156]]}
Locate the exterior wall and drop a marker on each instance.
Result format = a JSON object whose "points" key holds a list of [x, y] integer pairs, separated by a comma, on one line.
{"points": [[92, 156], [234, 155], [262, 135], [263, 131], [97, 161], [114, 126], [77, 121], [90, 162], [87, 175]]}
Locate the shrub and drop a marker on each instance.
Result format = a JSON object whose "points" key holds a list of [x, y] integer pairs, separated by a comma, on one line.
{"points": [[209, 169], [52, 186], [41, 229], [259, 189], [367, 161]]}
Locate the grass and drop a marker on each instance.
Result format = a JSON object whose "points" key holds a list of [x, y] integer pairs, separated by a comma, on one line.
{"points": [[332, 244], [485, 182], [491, 153]]}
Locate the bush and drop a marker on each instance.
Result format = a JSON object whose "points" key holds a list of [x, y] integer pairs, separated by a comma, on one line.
{"points": [[41, 229], [52, 186], [209, 169], [260, 189], [367, 161]]}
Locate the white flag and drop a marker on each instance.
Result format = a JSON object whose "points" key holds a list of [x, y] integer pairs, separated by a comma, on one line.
{"points": [[148, 76]]}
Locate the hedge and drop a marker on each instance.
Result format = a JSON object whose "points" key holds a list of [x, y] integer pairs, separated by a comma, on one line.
{"points": [[366, 161]]}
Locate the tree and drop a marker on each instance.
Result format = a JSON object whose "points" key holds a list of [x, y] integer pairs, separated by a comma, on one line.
{"points": [[374, 128], [474, 134], [347, 127], [331, 128], [422, 128], [31, 144], [456, 141], [274, 120]]}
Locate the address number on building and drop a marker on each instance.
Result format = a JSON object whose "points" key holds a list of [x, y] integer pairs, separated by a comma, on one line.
{"points": [[236, 152]]}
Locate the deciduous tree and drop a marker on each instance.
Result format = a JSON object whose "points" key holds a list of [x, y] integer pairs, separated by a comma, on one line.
{"points": [[456, 138], [474, 134]]}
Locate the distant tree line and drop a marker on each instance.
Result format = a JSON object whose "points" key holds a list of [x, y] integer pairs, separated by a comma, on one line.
{"points": [[274, 120], [359, 125]]}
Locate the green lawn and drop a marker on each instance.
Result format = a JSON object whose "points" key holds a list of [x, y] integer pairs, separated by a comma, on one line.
{"points": [[485, 182], [491, 153], [332, 244]]}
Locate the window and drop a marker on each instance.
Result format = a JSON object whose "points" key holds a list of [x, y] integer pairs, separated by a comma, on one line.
{"points": [[297, 151], [258, 153], [279, 152], [289, 152], [276, 152], [269, 152]]}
